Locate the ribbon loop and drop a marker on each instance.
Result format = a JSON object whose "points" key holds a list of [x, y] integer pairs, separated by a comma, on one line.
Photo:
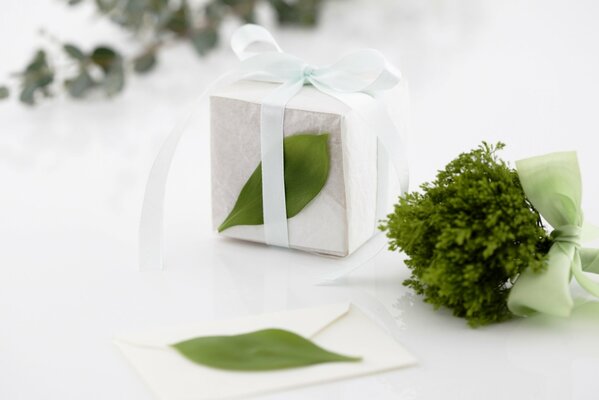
{"points": [[251, 35], [365, 71], [552, 183]]}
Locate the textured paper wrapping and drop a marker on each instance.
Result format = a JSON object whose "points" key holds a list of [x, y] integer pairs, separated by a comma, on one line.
{"points": [[343, 215]]}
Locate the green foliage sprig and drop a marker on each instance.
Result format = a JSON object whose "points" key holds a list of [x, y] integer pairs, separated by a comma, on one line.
{"points": [[468, 235], [154, 24]]}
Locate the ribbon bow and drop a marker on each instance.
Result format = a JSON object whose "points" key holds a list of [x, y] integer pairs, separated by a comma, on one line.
{"points": [[356, 80], [366, 70], [552, 183]]}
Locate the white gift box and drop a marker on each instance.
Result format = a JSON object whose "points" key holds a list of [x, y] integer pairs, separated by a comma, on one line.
{"points": [[344, 215]]}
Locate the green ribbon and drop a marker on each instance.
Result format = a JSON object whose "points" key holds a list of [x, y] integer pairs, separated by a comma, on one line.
{"points": [[553, 185]]}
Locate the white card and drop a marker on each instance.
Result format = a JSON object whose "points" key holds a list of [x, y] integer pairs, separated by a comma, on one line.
{"points": [[341, 328]]}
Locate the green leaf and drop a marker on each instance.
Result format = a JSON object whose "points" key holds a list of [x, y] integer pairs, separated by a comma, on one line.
{"points": [[204, 40], [300, 12], [80, 84], [38, 62], [27, 95], [264, 350], [105, 57], [215, 11], [158, 5], [4, 92], [114, 81], [74, 52], [243, 9], [179, 21], [37, 77], [111, 63], [145, 62], [106, 6], [306, 172]]}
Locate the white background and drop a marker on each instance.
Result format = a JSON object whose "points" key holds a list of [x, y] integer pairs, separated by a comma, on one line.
{"points": [[72, 176]]}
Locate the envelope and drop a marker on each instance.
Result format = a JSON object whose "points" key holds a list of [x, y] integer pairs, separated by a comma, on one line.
{"points": [[341, 328]]}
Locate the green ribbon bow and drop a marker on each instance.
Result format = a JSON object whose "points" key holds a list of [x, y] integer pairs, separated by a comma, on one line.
{"points": [[552, 183]]}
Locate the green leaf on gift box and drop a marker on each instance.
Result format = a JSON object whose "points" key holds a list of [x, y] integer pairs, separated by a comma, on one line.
{"points": [[306, 172], [263, 350]]}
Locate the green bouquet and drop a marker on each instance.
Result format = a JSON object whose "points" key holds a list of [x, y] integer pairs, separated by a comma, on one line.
{"points": [[476, 242]]}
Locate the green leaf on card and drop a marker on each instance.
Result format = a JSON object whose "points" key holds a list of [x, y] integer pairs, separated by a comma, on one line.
{"points": [[306, 172], [263, 350]]}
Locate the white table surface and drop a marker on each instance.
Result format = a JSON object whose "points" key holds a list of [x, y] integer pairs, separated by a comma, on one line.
{"points": [[72, 176]]}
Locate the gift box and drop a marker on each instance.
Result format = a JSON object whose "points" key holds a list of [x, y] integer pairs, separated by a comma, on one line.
{"points": [[300, 153], [344, 214]]}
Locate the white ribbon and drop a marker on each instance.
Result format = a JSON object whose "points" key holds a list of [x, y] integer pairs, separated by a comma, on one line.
{"points": [[362, 74]]}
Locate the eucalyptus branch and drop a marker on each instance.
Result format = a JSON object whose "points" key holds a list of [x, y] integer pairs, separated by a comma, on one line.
{"points": [[153, 22]]}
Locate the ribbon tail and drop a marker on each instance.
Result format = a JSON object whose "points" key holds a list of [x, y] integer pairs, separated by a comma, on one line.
{"points": [[382, 185], [546, 291], [362, 257], [151, 226], [587, 261], [394, 145], [590, 260]]}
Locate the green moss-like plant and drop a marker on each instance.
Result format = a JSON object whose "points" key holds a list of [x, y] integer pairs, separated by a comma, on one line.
{"points": [[468, 235]]}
